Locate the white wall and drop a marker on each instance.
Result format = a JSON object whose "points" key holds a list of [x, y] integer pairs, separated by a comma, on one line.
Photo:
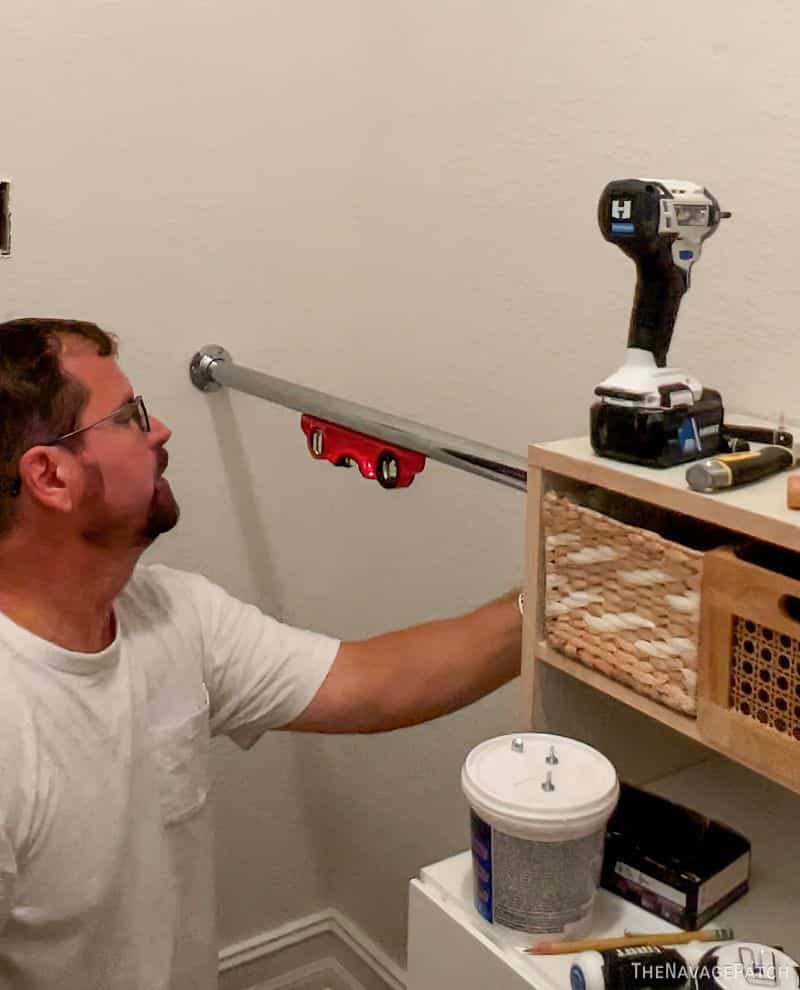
{"points": [[395, 203]]}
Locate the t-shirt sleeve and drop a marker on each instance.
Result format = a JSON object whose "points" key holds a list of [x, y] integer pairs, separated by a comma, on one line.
{"points": [[260, 673]]}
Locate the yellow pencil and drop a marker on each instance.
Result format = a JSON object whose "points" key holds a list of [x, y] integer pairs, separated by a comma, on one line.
{"points": [[624, 941]]}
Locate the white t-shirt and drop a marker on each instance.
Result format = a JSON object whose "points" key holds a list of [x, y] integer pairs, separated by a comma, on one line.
{"points": [[106, 855]]}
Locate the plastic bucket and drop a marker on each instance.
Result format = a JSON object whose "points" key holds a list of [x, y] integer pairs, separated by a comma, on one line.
{"points": [[539, 807]]}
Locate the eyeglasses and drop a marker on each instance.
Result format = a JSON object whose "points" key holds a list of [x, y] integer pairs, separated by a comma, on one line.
{"points": [[133, 411]]}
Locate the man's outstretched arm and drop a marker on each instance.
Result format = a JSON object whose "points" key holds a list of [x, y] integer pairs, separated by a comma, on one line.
{"points": [[413, 675]]}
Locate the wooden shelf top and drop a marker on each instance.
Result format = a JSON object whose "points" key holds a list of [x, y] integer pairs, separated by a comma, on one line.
{"points": [[684, 724], [758, 510]]}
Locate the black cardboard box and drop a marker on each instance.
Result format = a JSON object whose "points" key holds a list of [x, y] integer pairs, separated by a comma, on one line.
{"points": [[670, 860]]}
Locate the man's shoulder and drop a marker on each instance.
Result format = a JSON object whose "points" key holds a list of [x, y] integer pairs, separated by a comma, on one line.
{"points": [[157, 599], [151, 583], [161, 575], [11, 670], [16, 712], [158, 596]]}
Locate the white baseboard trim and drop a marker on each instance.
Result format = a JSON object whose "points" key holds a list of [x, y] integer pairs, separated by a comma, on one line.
{"points": [[270, 942], [331, 922], [368, 951], [327, 974]]}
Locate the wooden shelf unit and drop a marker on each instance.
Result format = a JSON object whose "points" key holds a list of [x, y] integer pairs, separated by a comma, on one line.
{"points": [[757, 512]]}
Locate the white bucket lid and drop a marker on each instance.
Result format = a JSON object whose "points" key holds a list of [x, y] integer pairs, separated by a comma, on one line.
{"points": [[503, 780]]}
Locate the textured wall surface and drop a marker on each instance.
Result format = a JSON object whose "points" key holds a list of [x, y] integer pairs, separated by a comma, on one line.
{"points": [[394, 203]]}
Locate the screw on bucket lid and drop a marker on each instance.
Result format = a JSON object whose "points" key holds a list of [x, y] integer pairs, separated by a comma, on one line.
{"points": [[743, 965], [539, 785]]}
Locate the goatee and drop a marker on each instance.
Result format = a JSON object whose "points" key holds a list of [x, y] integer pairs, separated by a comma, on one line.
{"points": [[164, 512]]}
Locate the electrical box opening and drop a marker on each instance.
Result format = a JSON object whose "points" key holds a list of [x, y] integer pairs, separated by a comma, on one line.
{"points": [[5, 218]]}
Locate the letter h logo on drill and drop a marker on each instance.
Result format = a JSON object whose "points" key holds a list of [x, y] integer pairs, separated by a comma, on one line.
{"points": [[620, 209]]}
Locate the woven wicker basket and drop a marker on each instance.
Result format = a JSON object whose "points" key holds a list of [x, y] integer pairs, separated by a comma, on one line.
{"points": [[624, 601]]}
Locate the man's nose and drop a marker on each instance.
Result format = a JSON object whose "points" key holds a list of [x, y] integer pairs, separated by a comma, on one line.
{"points": [[159, 432]]}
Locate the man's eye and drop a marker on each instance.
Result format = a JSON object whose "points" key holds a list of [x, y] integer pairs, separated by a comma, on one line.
{"points": [[122, 416]]}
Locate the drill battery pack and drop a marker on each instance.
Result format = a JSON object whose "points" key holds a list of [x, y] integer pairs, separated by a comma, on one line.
{"points": [[658, 436]]}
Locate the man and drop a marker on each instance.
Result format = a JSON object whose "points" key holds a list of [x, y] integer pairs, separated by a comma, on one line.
{"points": [[115, 676]]}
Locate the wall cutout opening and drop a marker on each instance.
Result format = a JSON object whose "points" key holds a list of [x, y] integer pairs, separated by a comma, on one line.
{"points": [[5, 218]]}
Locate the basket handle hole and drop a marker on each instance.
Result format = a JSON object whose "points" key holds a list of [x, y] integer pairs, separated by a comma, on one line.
{"points": [[790, 606]]}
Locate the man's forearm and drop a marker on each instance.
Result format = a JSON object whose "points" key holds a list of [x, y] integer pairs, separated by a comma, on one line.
{"points": [[438, 667]]}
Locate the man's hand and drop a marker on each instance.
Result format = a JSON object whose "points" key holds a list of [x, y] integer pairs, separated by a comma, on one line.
{"points": [[413, 675]]}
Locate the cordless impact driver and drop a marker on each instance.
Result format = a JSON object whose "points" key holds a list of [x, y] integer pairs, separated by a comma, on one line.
{"points": [[646, 412]]}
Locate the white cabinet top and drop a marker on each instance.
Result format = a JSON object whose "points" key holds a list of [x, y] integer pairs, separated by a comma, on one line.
{"points": [[451, 880], [769, 815]]}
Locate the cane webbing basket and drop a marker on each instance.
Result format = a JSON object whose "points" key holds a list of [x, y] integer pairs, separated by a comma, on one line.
{"points": [[765, 676], [624, 601]]}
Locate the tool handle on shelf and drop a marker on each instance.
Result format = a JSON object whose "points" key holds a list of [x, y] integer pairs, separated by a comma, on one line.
{"points": [[659, 289], [759, 434], [731, 470]]}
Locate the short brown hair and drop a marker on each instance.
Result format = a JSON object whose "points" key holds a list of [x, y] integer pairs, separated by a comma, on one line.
{"points": [[38, 399]]}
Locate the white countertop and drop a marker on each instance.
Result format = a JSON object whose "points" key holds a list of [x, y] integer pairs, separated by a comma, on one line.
{"points": [[766, 813], [452, 879]]}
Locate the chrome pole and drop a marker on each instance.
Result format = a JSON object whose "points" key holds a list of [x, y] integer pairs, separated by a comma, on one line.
{"points": [[212, 367]]}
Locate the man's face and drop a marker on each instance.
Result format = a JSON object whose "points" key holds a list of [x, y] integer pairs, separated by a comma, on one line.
{"points": [[126, 502]]}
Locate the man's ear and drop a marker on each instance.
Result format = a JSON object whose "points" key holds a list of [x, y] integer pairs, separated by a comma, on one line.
{"points": [[50, 476]]}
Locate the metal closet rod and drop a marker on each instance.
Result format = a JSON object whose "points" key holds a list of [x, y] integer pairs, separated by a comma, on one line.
{"points": [[212, 367]]}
